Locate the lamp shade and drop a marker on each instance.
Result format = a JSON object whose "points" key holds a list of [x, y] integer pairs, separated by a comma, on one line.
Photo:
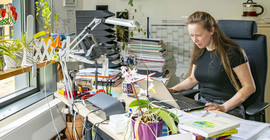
{"points": [[122, 22]]}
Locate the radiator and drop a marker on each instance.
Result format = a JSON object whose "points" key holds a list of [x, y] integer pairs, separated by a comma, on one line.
{"points": [[36, 125]]}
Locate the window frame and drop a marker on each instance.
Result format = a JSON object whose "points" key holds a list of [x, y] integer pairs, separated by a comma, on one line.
{"points": [[40, 86], [2, 30]]}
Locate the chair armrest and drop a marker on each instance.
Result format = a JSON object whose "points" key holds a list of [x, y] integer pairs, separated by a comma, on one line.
{"points": [[189, 93], [256, 108]]}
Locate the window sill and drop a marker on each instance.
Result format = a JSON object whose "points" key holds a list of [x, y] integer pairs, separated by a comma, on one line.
{"points": [[16, 71]]}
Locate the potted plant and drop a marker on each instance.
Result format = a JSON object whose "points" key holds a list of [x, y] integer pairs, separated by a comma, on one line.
{"points": [[5, 51], [26, 48], [147, 116], [46, 13]]}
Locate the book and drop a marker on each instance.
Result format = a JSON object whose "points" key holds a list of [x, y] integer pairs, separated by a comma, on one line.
{"points": [[153, 41], [148, 45], [140, 47], [209, 126], [218, 136]]}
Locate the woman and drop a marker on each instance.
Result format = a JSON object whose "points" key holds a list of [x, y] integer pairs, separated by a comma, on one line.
{"points": [[219, 65]]}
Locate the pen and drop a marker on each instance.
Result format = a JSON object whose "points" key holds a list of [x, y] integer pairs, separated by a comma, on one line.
{"points": [[204, 113], [107, 87], [110, 91]]}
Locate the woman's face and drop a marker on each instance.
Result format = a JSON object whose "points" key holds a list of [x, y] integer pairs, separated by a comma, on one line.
{"points": [[200, 36]]}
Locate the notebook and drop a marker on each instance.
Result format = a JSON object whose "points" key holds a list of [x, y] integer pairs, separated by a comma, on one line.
{"points": [[160, 95]]}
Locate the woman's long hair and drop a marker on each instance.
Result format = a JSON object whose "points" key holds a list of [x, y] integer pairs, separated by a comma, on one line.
{"points": [[219, 40]]}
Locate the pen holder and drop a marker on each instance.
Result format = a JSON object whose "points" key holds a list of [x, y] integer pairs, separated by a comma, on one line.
{"points": [[126, 86]]}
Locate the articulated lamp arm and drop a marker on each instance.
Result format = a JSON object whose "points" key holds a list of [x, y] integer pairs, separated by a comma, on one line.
{"points": [[67, 52]]}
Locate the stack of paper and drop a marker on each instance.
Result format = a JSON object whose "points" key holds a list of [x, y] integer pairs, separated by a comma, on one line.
{"points": [[89, 74], [150, 54]]}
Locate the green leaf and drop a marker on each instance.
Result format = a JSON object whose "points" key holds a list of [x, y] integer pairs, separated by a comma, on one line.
{"points": [[166, 117], [143, 103], [39, 34], [130, 3], [131, 33], [123, 46], [120, 14]]}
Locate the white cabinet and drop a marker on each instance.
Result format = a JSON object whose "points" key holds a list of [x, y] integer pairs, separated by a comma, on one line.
{"points": [[265, 29]]}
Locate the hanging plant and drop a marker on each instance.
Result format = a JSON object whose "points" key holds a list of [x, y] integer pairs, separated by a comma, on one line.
{"points": [[123, 33]]}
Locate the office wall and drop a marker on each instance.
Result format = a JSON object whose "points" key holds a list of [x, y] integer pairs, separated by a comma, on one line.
{"points": [[158, 11], [175, 9]]}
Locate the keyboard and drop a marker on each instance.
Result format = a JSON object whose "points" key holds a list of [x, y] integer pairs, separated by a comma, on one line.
{"points": [[188, 104], [160, 103]]}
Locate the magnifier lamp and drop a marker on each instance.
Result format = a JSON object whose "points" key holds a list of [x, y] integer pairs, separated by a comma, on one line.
{"points": [[68, 52]]}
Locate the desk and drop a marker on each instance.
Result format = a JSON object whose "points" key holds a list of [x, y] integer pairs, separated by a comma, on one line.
{"points": [[82, 110]]}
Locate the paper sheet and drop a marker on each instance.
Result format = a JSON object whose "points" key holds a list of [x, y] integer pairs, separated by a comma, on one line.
{"points": [[248, 130]]}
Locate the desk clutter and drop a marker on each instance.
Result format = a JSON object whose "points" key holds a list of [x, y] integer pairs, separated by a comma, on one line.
{"points": [[146, 54], [120, 124], [144, 120]]}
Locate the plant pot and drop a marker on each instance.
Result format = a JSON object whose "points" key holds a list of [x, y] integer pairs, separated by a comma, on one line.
{"points": [[10, 63], [2, 63], [27, 59], [144, 132]]}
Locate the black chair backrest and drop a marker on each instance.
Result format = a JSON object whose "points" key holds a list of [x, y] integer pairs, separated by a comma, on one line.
{"points": [[255, 46]]}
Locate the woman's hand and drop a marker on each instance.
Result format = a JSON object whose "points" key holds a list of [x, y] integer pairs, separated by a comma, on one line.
{"points": [[171, 90], [213, 106]]}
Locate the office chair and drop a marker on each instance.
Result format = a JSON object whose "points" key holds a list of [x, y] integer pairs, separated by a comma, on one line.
{"points": [[255, 46]]}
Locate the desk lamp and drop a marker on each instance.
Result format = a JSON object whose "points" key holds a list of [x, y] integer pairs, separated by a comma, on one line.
{"points": [[66, 53]]}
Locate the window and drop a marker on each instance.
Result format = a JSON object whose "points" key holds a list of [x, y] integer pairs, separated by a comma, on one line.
{"points": [[21, 91], [10, 32], [1, 31]]}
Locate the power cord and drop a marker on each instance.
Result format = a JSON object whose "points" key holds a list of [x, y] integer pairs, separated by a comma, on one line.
{"points": [[94, 134], [86, 118], [45, 91]]}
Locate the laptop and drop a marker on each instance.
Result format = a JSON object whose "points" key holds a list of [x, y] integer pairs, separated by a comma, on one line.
{"points": [[161, 96]]}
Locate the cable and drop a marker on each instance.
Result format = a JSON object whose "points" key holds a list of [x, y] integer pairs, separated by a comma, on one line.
{"points": [[86, 117], [45, 91], [93, 131], [74, 124]]}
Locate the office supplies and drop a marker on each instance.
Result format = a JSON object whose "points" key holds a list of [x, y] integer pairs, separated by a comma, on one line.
{"points": [[209, 126], [107, 105], [163, 95], [117, 123], [204, 114]]}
